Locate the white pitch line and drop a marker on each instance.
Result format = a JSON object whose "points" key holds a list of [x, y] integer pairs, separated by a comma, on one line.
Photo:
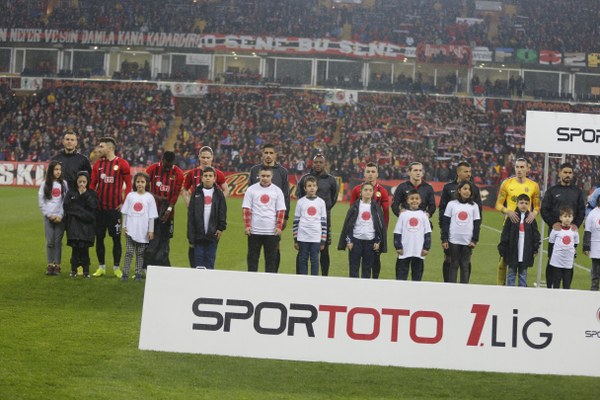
{"points": [[499, 231]]}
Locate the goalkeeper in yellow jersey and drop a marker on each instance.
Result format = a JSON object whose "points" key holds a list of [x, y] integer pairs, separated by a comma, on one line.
{"points": [[506, 203]]}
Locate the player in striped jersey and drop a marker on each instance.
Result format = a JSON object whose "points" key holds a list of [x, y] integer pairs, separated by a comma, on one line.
{"points": [[165, 185], [109, 175], [506, 203]]}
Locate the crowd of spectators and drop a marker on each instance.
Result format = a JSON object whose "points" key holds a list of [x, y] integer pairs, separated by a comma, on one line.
{"points": [[390, 129], [138, 116], [566, 25]]}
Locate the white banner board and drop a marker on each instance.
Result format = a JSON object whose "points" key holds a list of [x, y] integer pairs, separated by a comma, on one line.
{"points": [[562, 133], [382, 322]]}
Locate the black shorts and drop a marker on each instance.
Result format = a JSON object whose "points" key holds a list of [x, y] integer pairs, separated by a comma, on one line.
{"points": [[108, 219]]}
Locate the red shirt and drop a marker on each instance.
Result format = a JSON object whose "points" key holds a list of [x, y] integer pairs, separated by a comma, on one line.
{"points": [[107, 180], [165, 184], [381, 196], [194, 177]]}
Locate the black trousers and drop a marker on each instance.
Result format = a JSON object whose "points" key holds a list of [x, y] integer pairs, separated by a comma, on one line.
{"points": [[270, 244], [415, 264], [108, 220], [564, 275], [157, 252], [80, 257], [446, 265], [460, 255]]}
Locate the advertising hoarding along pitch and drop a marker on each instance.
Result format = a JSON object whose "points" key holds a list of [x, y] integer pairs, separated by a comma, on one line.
{"points": [[562, 133], [380, 322]]}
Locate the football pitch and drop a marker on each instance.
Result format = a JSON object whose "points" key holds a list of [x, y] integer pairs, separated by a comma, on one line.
{"points": [[63, 338]]}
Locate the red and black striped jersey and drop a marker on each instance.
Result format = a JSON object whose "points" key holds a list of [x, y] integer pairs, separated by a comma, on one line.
{"points": [[194, 177], [165, 183], [107, 180]]}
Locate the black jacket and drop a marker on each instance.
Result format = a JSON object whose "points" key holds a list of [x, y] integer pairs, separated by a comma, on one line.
{"points": [[218, 217], [80, 214], [509, 242], [348, 228], [72, 164], [424, 189], [449, 194], [558, 196], [327, 188]]}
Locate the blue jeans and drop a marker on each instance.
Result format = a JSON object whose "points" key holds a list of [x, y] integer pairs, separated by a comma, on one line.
{"points": [[205, 254], [308, 250], [512, 272], [362, 250]]}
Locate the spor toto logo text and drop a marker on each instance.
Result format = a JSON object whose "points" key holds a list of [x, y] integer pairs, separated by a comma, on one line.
{"points": [[594, 333], [575, 134], [366, 323]]}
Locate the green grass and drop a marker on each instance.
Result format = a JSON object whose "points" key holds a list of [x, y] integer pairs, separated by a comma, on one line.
{"points": [[72, 339]]}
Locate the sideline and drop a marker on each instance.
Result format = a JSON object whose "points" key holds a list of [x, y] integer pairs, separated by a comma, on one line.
{"points": [[499, 231]]}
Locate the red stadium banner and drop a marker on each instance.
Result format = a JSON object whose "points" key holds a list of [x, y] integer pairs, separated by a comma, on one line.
{"points": [[444, 54], [208, 42]]}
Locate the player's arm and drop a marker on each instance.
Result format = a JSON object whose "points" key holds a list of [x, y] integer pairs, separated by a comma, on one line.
{"points": [[397, 201], [537, 203], [300, 188], [548, 215], [385, 205], [185, 190], [580, 211], [431, 202], [444, 199], [285, 188], [334, 191], [126, 173], [177, 187], [501, 200], [225, 189], [94, 178], [355, 194]]}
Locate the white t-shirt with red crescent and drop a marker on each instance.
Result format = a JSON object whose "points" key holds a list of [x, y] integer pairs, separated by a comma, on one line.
{"points": [[139, 210], [462, 216], [263, 202], [364, 229], [310, 213], [564, 241], [208, 195], [412, 225], [592, 225]]}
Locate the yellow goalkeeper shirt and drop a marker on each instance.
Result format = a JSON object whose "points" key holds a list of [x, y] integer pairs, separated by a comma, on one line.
{"points": [[511, 188]]}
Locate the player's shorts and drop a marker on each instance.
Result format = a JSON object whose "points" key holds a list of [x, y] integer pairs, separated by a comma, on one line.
{"points": [[108, 220]]}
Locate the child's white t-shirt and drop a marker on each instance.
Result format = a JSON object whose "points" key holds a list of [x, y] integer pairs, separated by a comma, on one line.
{"points": [[54, 205], [462, 216], [521, 242], [564, 241], [208, 196], [592, 225], [364, 229], [263, 202], [412, 225], [139, 210], [310, 214]]}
